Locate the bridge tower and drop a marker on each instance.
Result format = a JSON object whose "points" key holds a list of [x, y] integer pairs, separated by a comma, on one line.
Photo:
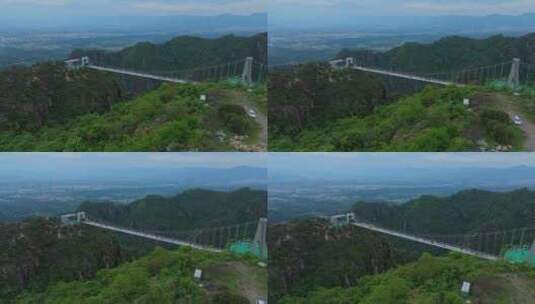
{"points": [[260, 238], [247, 75], [514, 76]]}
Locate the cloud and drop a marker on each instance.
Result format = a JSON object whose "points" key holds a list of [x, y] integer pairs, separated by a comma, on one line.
{"points": [[405, 7], [204, 8]]}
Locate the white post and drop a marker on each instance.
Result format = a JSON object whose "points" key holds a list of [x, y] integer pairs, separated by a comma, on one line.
{"points": [[514, 76], [247, 75]]}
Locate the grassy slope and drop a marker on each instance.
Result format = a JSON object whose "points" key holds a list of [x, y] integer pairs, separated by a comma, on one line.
{"points": [[161, 277], [432, 280], [168, 119], [432, 120]]}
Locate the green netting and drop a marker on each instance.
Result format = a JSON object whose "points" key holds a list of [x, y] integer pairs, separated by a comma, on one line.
{"points": [[520, 255], [246, 247]]}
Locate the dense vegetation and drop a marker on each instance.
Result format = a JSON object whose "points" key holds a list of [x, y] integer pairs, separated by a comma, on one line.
{"points": [[306, 255], [186, 211], [309, 111], [171, 118], [464, 212], [180, 53], [37, 252], [434, 280], [161, 277], [449, 54], [48, 93]]}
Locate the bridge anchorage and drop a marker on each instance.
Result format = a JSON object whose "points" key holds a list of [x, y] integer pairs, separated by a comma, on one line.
{"points": [[241, 238], [514, 245], [477, 75], [248, 71]]}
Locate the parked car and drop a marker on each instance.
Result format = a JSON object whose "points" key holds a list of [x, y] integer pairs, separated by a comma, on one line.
{"points": [[251, 113], [517, 120]]}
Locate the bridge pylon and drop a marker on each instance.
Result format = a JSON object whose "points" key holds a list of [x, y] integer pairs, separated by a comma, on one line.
{"points": [[514, 76], [260, 238], [247, 74]]}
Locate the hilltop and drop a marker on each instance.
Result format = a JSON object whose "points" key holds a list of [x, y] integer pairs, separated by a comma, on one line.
{"points": [[449, 54], [464, 212], [181, 53], [188, 210]]}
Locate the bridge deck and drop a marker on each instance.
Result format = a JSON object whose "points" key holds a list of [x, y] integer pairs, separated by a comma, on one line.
{"points": [[406, 76], [137, 74], [427, 242], [151, 236]]}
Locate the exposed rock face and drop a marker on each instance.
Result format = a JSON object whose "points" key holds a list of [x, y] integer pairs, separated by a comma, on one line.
{"points": [[48, 92], [312, 253], [40, 251]]}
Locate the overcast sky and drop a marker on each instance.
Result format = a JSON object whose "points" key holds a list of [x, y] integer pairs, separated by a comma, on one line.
{"points": [[110, 161], [130, 7], [355, 161], [326, 8]]}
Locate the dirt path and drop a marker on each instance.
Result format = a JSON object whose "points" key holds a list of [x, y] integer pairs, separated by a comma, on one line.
{"points": [[261, 118], [511, 288], [246, 280], [508, 105]]}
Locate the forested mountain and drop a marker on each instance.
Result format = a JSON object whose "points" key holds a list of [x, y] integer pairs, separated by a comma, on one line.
{"points": [[313, 108], [48, 93], [465, 212], [449, 54], [181, 53], [40, 251], [306, 255], [188, 210]]}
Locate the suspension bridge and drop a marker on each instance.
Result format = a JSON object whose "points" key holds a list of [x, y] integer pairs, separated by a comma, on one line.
{"points": [[247, 237], [489, 245], [514, 73], [248, 70]]}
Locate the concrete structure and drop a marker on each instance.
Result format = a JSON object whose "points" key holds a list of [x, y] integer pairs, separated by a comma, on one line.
{"points": [[514, 76], [247, 74], [77, 63], [73, 218], [342, 219]]}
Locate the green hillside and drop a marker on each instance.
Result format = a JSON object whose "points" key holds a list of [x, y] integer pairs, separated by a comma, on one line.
{"points": [[434, 280], [184, 52], [188, 210], [164, 277], [171, 118], [362, 119]]}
